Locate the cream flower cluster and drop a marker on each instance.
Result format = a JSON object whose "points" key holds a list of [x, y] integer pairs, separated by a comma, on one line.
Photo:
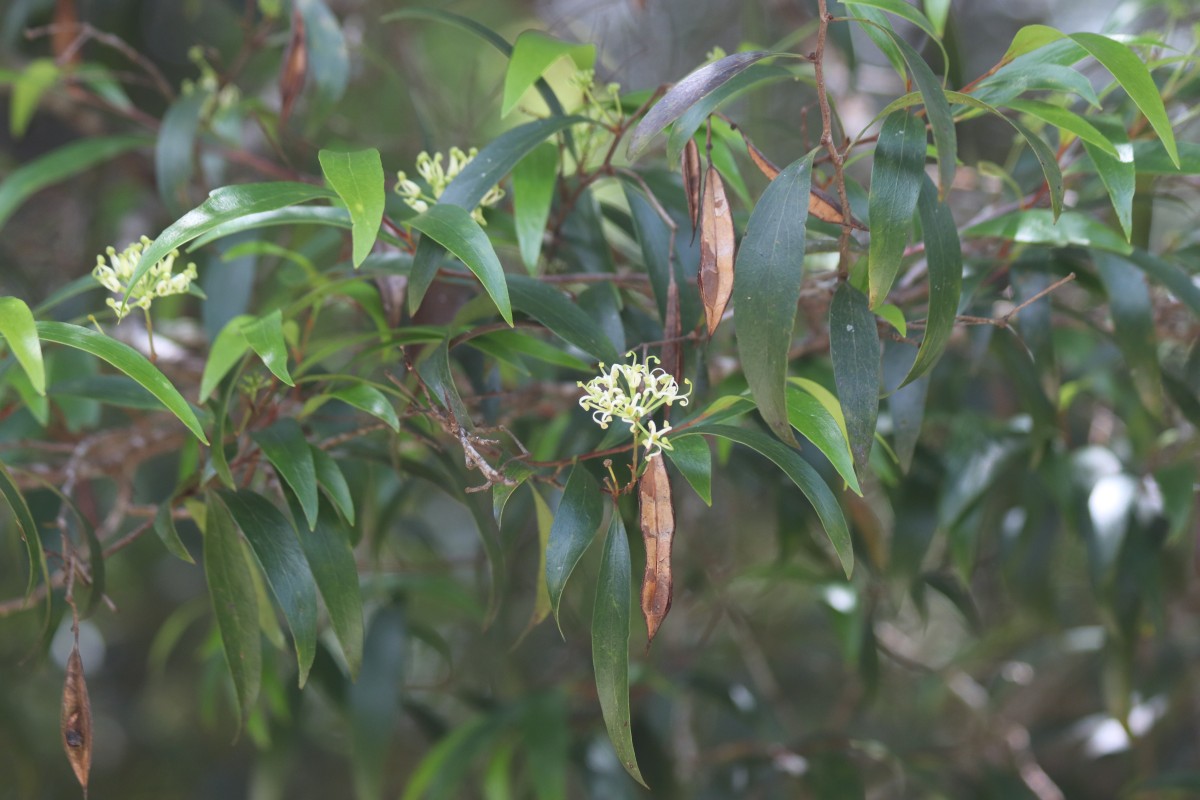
{"points": [[631, 393], [437, 177], [157, 282]]}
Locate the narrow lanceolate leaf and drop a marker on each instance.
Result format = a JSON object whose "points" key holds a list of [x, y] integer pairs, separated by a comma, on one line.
{"points": [[694, 460], [854, 349], [1065, 119], [801, 473], [689, 167], [235, 604], [770, 265], [575, 524], [127, 360], [533, 181], [18, 329], [764, 164], [454, 229], [286, 448], [27, 527], [827, 208], [227, 349], [164, 526], [561, 316], [1038, 226], [59, 165], [944, 253], [532, 53], [687, 93], [610, 644], [1117, 172], [357, 178], [75, 721], [373, 701], [371, 400], [1132, 312], [175, 149], [333, 483], [328, 55], [277, 548], [658, 534], [716, 250], [331, 559], [265, 337], [817, 423], [895, 183], [541, 594]]}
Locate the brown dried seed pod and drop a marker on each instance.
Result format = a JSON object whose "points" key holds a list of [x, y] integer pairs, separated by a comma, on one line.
{"points": [[76, 720], [690, 168], [658, 535], [716, 249]]}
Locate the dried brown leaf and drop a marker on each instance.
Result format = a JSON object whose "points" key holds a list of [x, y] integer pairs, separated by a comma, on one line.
{"points": [[672, 351], [66, 28], [294, 69], [716, 249], [658, 534], [764, 164], [690, 168], [826, 208], [76, 720]]}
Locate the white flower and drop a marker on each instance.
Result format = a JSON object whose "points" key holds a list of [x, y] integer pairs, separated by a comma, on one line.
{"points": [[158, 281], [631, 393], [437, 177]]}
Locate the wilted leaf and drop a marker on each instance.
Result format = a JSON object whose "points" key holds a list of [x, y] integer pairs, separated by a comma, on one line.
{"points": [[658, 534], [826, 208], [76, 719], [716, 250], [689, 167], [764, 164], [294, 69]]}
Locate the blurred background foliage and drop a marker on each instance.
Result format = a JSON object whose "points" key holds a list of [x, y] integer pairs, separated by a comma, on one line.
{"points": [[1026, 608]]}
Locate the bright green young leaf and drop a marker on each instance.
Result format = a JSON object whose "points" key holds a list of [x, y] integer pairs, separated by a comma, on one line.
{"points": [[801, 473], [59, 165], [561, 316], [227, 349], [541, 594], [357, 178], [938, 12], [164, 526], [854, 350], [766, 289], [1151, 159], [532, 53], [812, 419], [275, 545], [235, 604], [127, 360], [490, 165], [454, 229], [1117, 171], [533, 181], [38, 76], [903, 10], [896, 175], [38, 405], [1065, 119], [174, 149], [827, 399], [1037, 226], [333, 483], [1015, 80], [576, 521], [693, 459], [371, 401], [27, 527], [285, 447], [265, 337], [686, 93], [328, 55], [944, 253], [374, 700], [331, 559], [18, 329], [1028, 39], [222, 205], [610, 643]]}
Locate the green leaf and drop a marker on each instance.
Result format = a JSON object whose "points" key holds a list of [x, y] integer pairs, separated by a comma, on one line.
{"points": [[357, 178], [371, 401], [906, 404], [235, 605], [533, 181], [331, 559], [654, 237], [59, 165], [693, 459], [561, 316], [1012, 81], [175, 149], [1132, 312], [532, 53], [374, 701], [576, 521], [435, 372], [810, 416], [1066, 120], [854, 350], [27, 527], [1117, 172], [222, 205], [541, 595], [938, 12], [20, 331], [333, 216], [686, 93], [454, 229], [328, 56], [127, 360], [164, 526], [489, 166], [766, 289], [610, 644], [286, 448], [274, 543], [227, 349], [903, 10], [333, 483], [801, 473], [1151, 159], [1174, 278], [265, 337], [944, 254], [896, 175], [38, 76], [1037, 226], [1028, 39]]}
